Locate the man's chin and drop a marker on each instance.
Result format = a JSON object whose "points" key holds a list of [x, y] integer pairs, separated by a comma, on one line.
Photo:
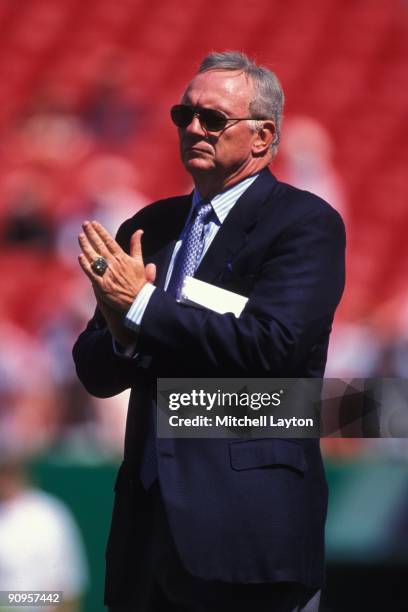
{"points": [[198, 164]]}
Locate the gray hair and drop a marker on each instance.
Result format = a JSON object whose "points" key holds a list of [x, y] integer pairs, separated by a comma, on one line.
{"points": [[269, 98]]}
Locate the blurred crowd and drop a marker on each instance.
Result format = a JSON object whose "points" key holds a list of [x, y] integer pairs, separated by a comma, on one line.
{"points": [[62, 163], [85, 133], [65, 160]]}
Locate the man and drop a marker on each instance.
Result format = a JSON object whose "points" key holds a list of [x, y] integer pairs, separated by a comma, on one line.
{"points": [[202, 524], [41, 545]]}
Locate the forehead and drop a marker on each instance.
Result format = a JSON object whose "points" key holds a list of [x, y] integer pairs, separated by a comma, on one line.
{"points": [[228, 91]]}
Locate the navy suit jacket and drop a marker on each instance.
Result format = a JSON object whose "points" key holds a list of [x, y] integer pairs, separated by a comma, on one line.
{"points": [[247, 511]]}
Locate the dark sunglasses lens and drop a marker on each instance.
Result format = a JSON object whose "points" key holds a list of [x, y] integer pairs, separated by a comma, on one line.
{"points": [[181, 115], [212, 119]]}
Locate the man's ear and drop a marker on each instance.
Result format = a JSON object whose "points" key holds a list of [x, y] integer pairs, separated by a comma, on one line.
{"points": [[265, 136]]}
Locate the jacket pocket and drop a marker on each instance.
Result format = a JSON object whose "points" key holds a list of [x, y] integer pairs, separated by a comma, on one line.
{"points": [[252, 454]]}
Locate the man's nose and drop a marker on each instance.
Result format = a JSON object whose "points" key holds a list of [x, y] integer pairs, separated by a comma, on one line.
{"points": [[195, 127]]}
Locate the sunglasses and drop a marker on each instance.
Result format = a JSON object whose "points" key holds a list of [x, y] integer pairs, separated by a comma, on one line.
{"points": [[209, 118]]}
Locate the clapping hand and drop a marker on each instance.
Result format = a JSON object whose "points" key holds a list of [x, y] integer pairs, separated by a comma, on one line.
{"points": [[120, 279]]}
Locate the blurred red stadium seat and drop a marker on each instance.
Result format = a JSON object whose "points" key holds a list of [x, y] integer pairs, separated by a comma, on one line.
{"points": [[344, 63]]}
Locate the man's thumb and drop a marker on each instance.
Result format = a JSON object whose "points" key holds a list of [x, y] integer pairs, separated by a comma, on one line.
{"points": [[136, 244], [150, 272]]}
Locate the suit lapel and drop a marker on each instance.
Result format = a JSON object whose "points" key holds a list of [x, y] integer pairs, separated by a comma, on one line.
{"points": [[162, 260], [234, 232], [230, 238]]}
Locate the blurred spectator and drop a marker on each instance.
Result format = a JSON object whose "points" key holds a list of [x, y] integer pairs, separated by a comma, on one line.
{"points": [[355, 350], [28, 414], [76, 417], [111, 183], [27, 206], [41, 547], [306, 156], [86, 425], [51, 131], [391, 321], [110, 192], [28, 224], [108, 113]]}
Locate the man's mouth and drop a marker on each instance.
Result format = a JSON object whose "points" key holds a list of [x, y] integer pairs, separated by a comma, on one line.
{"points": [[195, 149]]}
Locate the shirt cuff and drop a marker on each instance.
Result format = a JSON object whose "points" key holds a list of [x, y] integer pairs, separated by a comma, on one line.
{"points": [[135, 313]]}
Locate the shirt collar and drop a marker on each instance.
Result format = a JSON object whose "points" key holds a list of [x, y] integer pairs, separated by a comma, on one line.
{"points": [[223, 202]]}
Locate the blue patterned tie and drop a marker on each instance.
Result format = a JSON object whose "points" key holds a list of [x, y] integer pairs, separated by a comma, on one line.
{"points": [[186, 263], [191, 249]]}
